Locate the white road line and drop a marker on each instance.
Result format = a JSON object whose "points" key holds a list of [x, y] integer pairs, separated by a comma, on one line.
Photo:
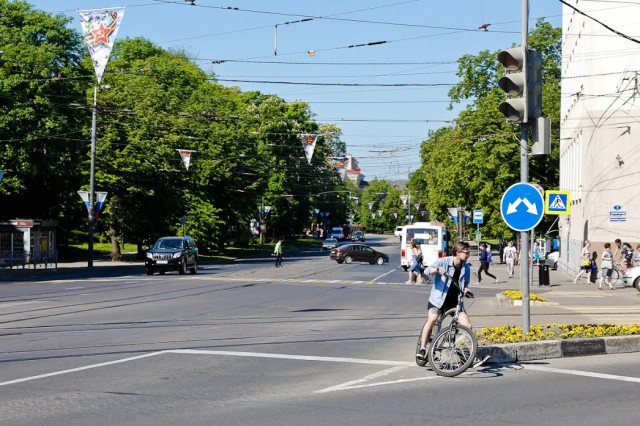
{"points": [[359, 382], [581, 373], [332, 281], [368, 385], [383, 275], [30, 302], [73, 370], [286, 356]]}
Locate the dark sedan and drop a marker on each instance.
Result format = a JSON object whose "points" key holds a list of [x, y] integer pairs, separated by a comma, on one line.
{"points": [[357, 236], [358, 253]]}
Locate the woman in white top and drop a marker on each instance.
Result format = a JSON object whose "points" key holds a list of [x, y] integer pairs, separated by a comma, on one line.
{"points": [[606, 266], [585, 264]]}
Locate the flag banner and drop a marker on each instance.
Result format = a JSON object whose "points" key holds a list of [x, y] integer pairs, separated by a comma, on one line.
{"points": [[417, 206], [395, 215], [339, 162], [100, 197], [403, 198], [342, 173], [309, 145], [371, 203], [379, 213], [85, 198], [186, 156], [100, 28]]}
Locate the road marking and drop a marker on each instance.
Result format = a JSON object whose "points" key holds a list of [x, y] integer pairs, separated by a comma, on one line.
{"points": [[73, 370], [354, 384], [30, 302], [383, 275], [286, 356], [581, 373]]}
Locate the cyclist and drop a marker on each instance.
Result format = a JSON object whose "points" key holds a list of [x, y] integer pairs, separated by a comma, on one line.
{"points": [[444, 295]]}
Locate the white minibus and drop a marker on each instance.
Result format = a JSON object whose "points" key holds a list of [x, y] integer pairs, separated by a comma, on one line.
{"points": [[432, 237]]}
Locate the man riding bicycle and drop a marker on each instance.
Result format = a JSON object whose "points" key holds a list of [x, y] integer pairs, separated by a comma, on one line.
{"points": [[444, 294]]}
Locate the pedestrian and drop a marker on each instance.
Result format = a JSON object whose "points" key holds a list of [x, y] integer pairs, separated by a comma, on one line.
{"points": [[636, 256], [509, 257], [416, 262], [503, 245], [277, 250], [484, 262], [536, 253], [606, 266], [585, 261]]}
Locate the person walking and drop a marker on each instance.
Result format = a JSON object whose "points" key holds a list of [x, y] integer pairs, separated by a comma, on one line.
{"points": [[503, 245], [606, 266], [585, 262], [509, 257], [416, 263], [484, 263], [536, 254], [277, 250]]}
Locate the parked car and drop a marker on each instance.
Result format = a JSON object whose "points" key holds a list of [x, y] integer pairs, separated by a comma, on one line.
{"points": [[552, 259], [632, 276], [358, 253], [329, 244], [357, 236], [172, 254]]}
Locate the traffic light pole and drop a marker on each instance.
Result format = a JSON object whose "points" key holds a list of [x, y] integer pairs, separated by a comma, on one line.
{"points": [[524, 178]]}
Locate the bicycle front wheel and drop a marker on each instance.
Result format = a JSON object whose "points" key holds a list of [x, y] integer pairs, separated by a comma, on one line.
{"points": [[452, 351]]}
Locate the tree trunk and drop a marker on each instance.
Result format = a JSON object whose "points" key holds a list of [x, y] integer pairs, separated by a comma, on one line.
{"points": [[116, 254]]}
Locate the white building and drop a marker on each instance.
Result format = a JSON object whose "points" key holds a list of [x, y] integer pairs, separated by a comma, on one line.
{"points": [[599, 127]]}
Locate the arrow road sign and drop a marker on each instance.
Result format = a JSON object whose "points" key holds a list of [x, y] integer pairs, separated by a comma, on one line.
{"points": [[522, 206]]}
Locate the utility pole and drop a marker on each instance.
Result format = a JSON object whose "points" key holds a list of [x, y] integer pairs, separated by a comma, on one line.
{"points": [[92, 176]]}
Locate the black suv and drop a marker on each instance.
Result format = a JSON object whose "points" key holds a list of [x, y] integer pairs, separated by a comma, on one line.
{"points": [[172, 254]]}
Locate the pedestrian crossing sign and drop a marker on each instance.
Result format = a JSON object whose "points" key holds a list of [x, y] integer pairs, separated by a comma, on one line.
{"points": [[557, 202]]}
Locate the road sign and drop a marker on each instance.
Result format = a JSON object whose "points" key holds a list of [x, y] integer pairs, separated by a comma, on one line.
{"points": [[557, 202], [478, 216], [522, 206]]}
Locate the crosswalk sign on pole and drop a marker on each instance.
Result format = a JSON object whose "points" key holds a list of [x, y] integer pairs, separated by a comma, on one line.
{"points": [[557, 202]]}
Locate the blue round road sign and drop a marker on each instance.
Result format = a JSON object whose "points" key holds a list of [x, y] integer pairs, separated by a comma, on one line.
{"points": [[522, 206]]}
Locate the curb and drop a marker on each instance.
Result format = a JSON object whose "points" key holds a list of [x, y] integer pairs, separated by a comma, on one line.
{"points": [[546, 349]]}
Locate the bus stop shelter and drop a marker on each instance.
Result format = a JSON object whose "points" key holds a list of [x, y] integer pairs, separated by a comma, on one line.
{"points": [[25, 242]]}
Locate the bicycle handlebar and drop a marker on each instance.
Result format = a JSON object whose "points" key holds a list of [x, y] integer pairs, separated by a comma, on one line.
{"points": [[468, 294]]}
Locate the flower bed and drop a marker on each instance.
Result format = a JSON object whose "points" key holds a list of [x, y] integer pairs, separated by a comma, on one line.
{"points": [[513, 334]]}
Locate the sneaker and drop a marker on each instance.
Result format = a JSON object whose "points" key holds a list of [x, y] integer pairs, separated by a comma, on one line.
{"points": [[422, 353], [479, 361]]}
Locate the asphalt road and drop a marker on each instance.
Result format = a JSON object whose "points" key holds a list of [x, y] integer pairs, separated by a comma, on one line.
{"points": [[312, 343]]}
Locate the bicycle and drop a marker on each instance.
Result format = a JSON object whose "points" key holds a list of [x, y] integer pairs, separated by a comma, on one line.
{"points": [[445, 318], [454, 348]]}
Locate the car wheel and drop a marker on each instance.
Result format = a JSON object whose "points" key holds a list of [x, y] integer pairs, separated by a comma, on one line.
{"points": [[194, 268], [183, 267], [555, 266], [405, 268], [149, 271], [636, 283], [163, 272], [380, 260], [348, 259]]}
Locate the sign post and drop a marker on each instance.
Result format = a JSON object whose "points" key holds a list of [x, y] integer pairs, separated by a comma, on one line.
{"points": [[521, 208]]}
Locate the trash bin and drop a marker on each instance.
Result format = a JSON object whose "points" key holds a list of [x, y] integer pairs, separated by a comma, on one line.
{"points": [[543, 274]]}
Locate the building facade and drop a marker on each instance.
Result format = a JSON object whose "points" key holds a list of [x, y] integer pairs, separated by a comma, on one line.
{"points": [[599, 128]]}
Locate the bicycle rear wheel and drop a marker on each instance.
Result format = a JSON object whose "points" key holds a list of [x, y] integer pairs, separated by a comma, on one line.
{"points": [[452, 351], [615, 276], [444, 320]]}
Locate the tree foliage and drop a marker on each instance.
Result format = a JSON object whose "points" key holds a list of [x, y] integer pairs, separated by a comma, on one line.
{"points": [[472, 162]]}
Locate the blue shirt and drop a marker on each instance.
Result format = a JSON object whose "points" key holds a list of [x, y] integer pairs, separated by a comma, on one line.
{"points": [[441, 284]]}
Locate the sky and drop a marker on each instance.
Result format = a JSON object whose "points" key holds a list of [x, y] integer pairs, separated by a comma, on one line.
{"points": [[385, 97]]}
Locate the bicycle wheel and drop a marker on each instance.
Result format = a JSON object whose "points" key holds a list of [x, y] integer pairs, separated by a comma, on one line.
{"points": [[444, 320], [615, 276], [452, 351]]}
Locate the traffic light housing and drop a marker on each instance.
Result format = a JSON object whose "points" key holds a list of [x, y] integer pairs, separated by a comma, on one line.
{"points": [[534, 84], [522, 83], [514, 83]]}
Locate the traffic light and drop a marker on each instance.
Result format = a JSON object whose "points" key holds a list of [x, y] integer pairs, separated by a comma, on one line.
{"points": [[534, 84], [514, 83]]}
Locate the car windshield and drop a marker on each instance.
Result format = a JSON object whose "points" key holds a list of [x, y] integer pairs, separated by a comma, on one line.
{"points": [[168, 243], [330, 240]]}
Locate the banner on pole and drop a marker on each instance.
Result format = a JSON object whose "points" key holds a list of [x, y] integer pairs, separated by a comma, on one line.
{"points": [[100, 28], [185, 154], [309, 145]]}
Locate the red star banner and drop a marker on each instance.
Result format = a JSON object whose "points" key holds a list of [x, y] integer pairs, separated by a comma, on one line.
{"points": [[100, 27], [186, 156]]}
